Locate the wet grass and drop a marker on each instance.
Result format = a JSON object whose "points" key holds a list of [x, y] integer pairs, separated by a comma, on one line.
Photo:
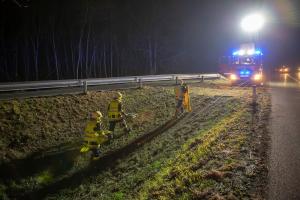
{"points": [[209, 154], [130, 174], [217, 164], [60, 165], [194, 168]]}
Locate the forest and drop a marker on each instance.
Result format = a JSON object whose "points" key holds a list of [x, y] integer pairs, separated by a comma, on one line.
{"points": [[43, 40]]}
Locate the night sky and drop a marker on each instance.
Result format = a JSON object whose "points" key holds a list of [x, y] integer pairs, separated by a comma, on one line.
{"points": [[55, 39]]}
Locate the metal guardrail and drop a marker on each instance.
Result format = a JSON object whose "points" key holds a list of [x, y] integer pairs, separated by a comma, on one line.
{"points": [[54, 84]]}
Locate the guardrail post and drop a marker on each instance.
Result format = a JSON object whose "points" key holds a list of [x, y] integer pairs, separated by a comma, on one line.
{"points": [[202, 78], [85, 87], [254, 95], [176, 80], [140, 83]]}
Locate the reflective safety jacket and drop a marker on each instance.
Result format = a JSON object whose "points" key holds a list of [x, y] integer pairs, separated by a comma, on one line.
{"points": [[179, 92], [186, 100], [94, 136], [92, 126], [114, 110], [182, 93]]}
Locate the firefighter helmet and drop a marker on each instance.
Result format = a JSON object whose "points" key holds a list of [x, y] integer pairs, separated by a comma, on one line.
{"points": [[119, 95], [96, 115]]}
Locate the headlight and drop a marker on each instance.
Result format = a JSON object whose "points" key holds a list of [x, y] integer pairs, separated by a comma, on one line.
{"points": [[257, 77], [233, 77], [286, 70]]}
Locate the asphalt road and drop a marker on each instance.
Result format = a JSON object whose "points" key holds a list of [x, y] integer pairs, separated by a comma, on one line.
{"points": [[284, 163]]}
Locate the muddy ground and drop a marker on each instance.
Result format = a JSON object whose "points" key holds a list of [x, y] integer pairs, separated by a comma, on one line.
{"points": [[215, 152]]}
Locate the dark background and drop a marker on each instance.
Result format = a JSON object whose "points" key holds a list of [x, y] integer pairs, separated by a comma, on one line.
{"points": [[66, 39]]}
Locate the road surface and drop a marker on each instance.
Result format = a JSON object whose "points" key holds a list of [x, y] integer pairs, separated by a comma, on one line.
{"points": [[284, 164]]}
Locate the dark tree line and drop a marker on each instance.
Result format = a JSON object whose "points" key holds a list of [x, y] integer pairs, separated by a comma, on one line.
{"points": [[64, 39]]}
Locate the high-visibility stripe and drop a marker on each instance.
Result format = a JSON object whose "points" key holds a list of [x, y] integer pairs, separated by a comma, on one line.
{"points": [[114, 112]]}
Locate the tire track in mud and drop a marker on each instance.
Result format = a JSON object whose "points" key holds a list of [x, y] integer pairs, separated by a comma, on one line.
{"points": [[22, 168]]}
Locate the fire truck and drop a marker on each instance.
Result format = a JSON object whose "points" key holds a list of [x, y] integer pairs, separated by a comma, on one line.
{"points": [[244, 65]]}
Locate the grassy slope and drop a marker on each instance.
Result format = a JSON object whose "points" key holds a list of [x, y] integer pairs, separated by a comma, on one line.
{"points": [[32, 124], [200, 157], [224, 170], [129, 174], [225, 162]]}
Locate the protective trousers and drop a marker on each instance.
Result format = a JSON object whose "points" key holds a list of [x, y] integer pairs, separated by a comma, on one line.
{"points": [[112, 124]]}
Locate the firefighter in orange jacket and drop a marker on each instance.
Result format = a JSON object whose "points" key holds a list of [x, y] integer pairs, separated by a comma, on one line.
{"points": [[116, 114], [182, 98]]}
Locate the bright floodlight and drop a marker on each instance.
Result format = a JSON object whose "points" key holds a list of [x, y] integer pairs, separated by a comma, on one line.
{"points": [[253, 23]]}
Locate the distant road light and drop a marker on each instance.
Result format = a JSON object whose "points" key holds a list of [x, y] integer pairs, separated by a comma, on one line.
{"points": [[252, 23]]}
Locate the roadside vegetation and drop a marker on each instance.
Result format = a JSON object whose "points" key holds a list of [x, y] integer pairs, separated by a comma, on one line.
{"points": [[217, 151], [225, 162]]}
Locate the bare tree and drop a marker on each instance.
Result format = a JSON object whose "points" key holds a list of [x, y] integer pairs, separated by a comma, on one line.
{"points": [[55, 56], [35, 40]]}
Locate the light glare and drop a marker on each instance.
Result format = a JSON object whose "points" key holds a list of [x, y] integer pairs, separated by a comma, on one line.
{"points": [[252, 23], [233, 77], [250, 52], [257, 77], [242, 52]]}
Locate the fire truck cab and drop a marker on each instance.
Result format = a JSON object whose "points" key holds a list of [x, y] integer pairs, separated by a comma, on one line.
{"points": [[245, 65]]}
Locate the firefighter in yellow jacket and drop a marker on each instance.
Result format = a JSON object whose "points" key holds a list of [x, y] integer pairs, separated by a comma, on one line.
{"points": [[182, 98], [95, 134], [116, 114]]}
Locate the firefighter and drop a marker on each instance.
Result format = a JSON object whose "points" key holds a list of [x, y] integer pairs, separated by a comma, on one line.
{"points": [[182, 98], [95, 134], [116, 114]]}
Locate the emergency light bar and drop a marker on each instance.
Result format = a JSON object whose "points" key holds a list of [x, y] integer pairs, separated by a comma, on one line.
{"points": [[245, 72], [250, 52]]}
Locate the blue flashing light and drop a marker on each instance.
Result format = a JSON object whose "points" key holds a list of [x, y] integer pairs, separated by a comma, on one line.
{"points": [[249, 52], [257, 52], [245, 72]]}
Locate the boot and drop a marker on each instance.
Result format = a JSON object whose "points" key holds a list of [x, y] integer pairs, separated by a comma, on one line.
{"points": [[127, 130], [111, 136], [96, 154]]}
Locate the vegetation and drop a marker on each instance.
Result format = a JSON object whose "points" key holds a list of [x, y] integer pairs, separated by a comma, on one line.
{"points": [[215, 152], [207, 155], [35, 124], [44, 40]]}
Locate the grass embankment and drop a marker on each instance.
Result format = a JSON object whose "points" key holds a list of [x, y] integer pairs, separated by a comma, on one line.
{"points": [[225, 162], [33, 124], [211, 154]]}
